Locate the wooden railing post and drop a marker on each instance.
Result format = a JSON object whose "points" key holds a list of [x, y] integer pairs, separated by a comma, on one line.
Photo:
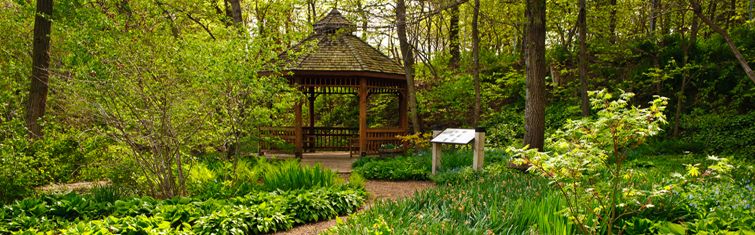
{"points": [[436, 153], [479, 149], [363, 116]]}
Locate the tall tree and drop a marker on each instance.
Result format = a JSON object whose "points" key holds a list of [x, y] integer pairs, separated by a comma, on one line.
{"points": [[236, 11], [453, 37], [612, 22], [654, 5], [408, 57], [534, 110], [687, 47], [476, 61], [582, 25], [40, 72], [742, 61]]}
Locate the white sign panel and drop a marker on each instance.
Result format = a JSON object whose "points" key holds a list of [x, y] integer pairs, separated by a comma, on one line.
{"points": [[454, 136]]}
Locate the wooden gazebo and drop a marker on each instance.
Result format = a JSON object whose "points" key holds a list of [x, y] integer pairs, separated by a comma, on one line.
{"points": [[334, 61]]}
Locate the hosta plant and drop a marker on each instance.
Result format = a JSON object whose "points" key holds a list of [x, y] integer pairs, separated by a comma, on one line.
{"points": [[585, 160]]}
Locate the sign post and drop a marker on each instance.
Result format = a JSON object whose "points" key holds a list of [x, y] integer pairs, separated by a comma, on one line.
{"points": [[459, 136]]}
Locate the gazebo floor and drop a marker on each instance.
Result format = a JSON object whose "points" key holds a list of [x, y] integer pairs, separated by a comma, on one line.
{"points": [[337, 161]]}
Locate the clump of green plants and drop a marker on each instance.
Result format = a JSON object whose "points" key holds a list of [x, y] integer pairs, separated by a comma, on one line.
{"points": [[499, 200], [418, 166], [585, 160], [260, 212], [400, 168], [291, 175]]}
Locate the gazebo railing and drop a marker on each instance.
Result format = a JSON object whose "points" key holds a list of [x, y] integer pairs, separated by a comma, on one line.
{"points": [[281, 139], [329, 138], [378, 137]]}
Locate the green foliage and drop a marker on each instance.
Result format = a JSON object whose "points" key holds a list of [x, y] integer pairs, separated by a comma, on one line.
{"points": [[417, 167], [108, 193], [400, 168], [585, 160], [262, 218], [500, 201], [253, 213], [291, 175], [58, 157], [720, 133]]}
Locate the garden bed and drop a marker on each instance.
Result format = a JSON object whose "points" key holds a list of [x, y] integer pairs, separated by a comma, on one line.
{"points": [[258, 197]]}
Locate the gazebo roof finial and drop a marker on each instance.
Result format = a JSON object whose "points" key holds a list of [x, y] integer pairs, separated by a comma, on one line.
{"points": [[333, 22]]}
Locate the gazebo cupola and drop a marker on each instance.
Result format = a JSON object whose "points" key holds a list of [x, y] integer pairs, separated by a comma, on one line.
{"points": [[334, 61]]}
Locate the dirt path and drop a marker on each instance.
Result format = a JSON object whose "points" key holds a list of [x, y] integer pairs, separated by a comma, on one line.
{"points": [[378, 190]]}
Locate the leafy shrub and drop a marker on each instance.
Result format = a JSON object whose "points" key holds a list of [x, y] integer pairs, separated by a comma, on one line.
{"points": [[260, 212], [719, 207], [720, 133], [262, 218], [401, 168], [108, 193], [121, 225], [291, 175], [584, 159], [501, 202], [201, 180], [417, 167]]}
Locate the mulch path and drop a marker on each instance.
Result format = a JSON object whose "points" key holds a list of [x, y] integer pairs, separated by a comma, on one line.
{"points": [[378, 190]]}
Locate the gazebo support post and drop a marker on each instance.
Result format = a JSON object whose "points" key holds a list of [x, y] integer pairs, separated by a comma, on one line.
{"points": [[298, 133], [363, 116], [311, 133], [402, 110]]}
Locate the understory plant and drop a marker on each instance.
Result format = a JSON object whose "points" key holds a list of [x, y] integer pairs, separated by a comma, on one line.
{"points": [[585, 160], [497, 201]]}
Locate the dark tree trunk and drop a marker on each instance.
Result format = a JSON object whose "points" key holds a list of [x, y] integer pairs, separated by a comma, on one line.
{"points": [[582, 24], [408, 57], [742, 61], [228, 12], [655, 4], [476, 62], [687, 47], [236, 11], [534, 111], [312, 11], [453, 38], [40, 71], [612, 23]]}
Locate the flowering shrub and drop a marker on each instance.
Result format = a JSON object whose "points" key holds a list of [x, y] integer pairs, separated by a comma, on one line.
{"points": [[417, 141], [585, 160]]}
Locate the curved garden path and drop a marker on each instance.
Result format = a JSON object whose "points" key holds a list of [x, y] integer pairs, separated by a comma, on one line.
{"points": [[378, 190]]}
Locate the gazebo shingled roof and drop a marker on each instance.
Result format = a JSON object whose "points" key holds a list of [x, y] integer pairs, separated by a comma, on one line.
{"points": [[339, 51], [340, 63]]}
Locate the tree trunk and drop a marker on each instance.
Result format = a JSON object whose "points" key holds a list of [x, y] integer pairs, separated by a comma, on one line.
{"points": [[408, 57], [453, 38], [236, 11], [228, 12], [686, 48], [534, 111], [40, 71], [582, 24], [312, 11], [742, 61], [612, 23], [476, 62], [654, 14], [752, 2]]}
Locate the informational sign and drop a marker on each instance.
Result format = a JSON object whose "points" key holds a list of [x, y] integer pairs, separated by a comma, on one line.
{"points": [[454, 136]]}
